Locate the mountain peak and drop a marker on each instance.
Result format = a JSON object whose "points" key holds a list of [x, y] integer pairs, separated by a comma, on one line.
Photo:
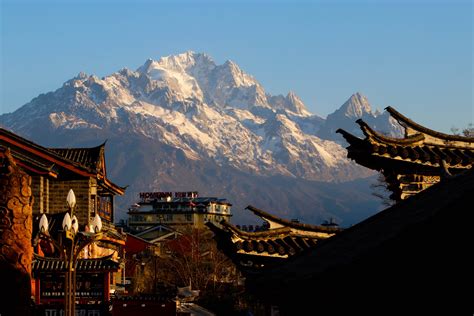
{"points": [[187, 60], [356, 106], [183, 58], [230, 63], [295, 104], [81, 75], [178, 62], [146, 66], [292, 97], [233, 68]]}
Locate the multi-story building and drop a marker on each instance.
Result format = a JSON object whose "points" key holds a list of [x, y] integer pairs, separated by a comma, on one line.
{"points": [[177, 209]]}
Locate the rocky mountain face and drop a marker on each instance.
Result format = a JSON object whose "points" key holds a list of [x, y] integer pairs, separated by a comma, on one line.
{"points": [[185, 123]]}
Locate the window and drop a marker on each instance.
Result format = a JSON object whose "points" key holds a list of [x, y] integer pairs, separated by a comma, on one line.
{"points": [[93, 205], [104, 207]]}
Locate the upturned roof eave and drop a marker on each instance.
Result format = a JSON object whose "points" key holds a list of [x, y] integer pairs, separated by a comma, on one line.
{"points": [[43, 152], [407, 122], [252, 235], [376, 137], [302, 226]]}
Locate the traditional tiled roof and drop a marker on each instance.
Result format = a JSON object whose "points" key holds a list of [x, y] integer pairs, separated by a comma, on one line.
{"points": [[88, 162], [22, 147], [44, 264], [415, 148], [34, 165], [253, 251], [89, 157], [413, 163], [279, 241]]}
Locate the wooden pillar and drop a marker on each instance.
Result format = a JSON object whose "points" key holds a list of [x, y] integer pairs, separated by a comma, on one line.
{"points": [[112, 208], [40, 203], [37, 290], [46, 198], [107, 286]]}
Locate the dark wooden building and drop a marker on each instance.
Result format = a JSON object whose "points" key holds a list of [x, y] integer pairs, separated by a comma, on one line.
{"points": [[413, 163]]}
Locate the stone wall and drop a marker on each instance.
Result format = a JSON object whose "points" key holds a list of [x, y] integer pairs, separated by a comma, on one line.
{"points": [[58, 191]]}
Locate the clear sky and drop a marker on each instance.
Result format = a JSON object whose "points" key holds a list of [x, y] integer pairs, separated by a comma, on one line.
{"points": [[414, 55]]}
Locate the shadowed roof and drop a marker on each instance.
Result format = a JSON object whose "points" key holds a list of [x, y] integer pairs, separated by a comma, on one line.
{"points": [[88, 157], [88, 162]]}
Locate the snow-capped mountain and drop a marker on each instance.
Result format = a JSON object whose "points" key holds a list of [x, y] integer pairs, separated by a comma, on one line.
{"points": [[209, 113], [356, 107]]}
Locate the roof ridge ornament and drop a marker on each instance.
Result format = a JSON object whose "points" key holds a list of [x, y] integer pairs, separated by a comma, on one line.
{"points": [[287, 223], [372, 134]]}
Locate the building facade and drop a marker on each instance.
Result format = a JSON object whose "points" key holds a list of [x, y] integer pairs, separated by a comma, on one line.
{"points": [[177, 209]]}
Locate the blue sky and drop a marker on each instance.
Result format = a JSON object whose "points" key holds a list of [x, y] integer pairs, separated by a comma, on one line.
{"points": [[414, 55]]}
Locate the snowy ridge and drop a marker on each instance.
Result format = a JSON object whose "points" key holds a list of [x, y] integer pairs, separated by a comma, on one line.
{"points": [[209, 111]]}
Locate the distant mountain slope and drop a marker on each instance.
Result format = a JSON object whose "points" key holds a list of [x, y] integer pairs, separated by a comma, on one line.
{"points": [[147, 165], [183, 122]]}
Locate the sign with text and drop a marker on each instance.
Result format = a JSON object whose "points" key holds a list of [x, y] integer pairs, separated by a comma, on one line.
{"points": [[163, 195]]}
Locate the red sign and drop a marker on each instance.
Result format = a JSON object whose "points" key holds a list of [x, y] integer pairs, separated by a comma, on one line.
{"points": [[164, 195], [155, 195]]}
